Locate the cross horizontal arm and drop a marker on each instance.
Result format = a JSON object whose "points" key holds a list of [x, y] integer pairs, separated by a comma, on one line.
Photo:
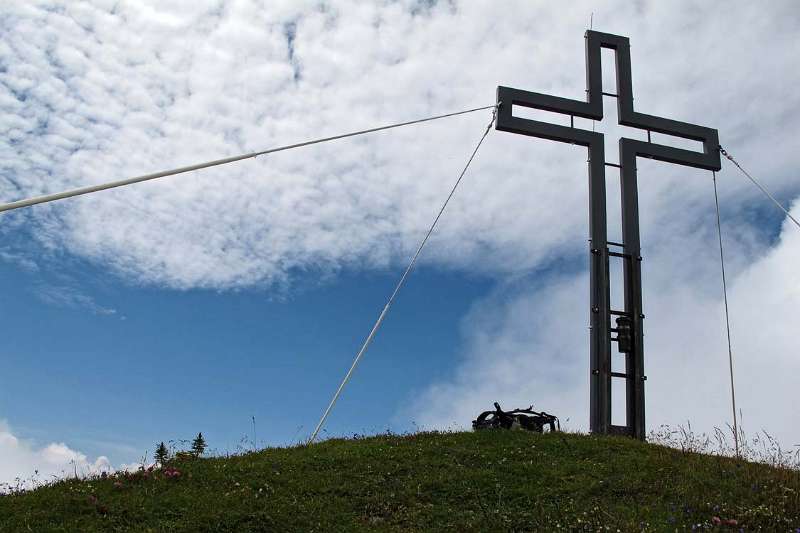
{"points": [[547, 102], [631, 148], [506, 121], [592, 108]]}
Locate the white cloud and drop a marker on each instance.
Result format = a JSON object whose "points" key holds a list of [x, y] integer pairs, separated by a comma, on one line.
{"points": [[24, 464], [71, 297], [524, 345], [24, 261], [95, 92], [529, 343]]}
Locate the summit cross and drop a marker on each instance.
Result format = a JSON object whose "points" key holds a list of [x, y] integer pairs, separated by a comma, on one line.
{"points": [[628, 321]]}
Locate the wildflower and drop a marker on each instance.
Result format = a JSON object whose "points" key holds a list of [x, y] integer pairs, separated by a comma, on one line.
{"points": [[171, 472], [716, 520]]}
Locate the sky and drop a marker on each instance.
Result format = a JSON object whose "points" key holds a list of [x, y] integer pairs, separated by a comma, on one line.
{"points": [[232, 300]]}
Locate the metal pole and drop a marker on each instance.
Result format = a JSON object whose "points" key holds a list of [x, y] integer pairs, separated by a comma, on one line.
{"points": [[146, 177]]}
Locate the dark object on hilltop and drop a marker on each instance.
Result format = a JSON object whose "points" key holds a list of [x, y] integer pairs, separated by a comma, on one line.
{"points": [[198, 445], [162, 454], [516, 419]]}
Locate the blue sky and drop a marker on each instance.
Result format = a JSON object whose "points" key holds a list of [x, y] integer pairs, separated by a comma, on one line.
{"points": [[178, 362], [193, 303]]}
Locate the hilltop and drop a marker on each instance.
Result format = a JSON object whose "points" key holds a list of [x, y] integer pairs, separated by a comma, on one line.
{"points": [[484, 481]]}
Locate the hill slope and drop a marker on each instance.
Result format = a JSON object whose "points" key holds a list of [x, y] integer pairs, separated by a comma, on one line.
{"points": [[487, 481]]}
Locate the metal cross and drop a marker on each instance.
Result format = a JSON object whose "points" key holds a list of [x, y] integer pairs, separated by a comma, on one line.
{"points": [[628, 321]]}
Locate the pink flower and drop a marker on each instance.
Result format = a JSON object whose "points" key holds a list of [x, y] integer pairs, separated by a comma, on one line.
{"points": [[171, 472]]}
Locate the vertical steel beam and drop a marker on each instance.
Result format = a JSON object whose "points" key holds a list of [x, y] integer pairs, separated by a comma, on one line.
{"points": [[632, 273], [599, 295]]}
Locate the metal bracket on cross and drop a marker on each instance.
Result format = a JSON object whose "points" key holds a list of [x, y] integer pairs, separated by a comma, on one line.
{"points": [[629, 320]]}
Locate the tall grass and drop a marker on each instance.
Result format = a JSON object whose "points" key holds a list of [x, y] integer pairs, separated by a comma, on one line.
{"points": [[761, 447]]}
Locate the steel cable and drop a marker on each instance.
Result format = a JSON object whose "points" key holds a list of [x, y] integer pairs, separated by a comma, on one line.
{"points": [[727, 317], [397, 287], [757, 184]]}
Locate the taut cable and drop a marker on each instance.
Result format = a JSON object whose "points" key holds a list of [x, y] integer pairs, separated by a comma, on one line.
{"points": [[400, 283]]}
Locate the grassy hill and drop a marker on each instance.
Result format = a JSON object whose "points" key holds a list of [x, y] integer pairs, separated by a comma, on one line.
{"points": [[487, 481]]}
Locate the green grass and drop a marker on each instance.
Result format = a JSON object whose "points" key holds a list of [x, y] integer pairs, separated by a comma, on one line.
{"points": [[485, 481]]}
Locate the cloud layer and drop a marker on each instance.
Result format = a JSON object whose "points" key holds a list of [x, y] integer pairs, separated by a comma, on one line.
{"points": [[93, 92]]}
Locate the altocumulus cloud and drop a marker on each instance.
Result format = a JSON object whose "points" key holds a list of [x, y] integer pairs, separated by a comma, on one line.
{"points": [[92, 92]]}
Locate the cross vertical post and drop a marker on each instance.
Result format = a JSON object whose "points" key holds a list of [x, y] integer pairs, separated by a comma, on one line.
{"points": [[628, 322]]}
